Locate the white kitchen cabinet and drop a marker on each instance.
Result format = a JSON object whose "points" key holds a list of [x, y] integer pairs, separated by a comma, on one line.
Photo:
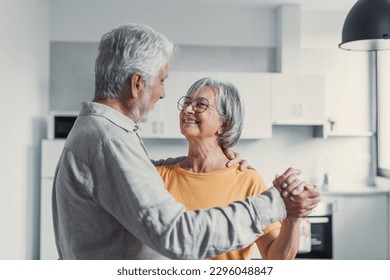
{"points": [[323, 131], [349, 90], [297, 100], [163, 121], [152, 128], [48, 250], [51, 151], [360, 227], [255, 91]]}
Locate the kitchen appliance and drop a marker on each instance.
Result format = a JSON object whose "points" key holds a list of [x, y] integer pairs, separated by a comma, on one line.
{"points": [[60, 124], [321, 234]]}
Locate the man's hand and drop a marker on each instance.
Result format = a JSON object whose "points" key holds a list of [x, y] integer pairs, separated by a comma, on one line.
{"points": [[300, 198], [302, 204], [235, 158]]}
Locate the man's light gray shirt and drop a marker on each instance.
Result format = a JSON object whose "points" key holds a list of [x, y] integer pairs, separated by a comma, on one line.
{"points": [[108, 198]]}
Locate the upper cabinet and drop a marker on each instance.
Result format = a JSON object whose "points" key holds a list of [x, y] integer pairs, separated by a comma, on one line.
{"points": [[163, 121], [297, 100], [349, 90], [255, 92], [254, 88]]}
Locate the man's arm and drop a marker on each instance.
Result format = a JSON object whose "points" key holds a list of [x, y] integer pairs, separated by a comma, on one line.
{"points": [[138, 200]]}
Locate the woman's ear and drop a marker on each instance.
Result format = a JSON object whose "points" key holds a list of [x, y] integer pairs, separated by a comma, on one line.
{"points": [[137, 85], [222, 129]]}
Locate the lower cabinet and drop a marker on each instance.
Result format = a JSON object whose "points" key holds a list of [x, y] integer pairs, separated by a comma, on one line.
{"points": [[48, 250], [51, 151], [360, 227]]}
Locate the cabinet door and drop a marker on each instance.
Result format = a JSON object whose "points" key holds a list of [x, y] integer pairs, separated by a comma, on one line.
{"points": [[360, 228], [350, 92], [151, 128], [51, 152], [48, 250], [176, 86], [254, 90], [297, 100]]}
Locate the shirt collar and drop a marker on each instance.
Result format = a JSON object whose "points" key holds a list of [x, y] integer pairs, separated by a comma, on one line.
{"points": [[117, 118]]}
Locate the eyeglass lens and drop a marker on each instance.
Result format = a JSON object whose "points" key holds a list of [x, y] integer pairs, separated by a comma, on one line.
{"points": [[199, 105]]}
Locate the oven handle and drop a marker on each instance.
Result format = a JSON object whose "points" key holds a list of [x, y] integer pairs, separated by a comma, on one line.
{"points": [[318, 220]]}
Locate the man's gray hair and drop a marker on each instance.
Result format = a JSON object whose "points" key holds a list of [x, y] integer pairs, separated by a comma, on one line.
{"points": [[126, 50], [230, 108]]}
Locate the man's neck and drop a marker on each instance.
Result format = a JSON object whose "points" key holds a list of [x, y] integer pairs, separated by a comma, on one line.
{"points": [[132, 112]]}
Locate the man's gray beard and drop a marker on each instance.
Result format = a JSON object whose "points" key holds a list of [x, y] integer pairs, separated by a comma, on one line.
{"points": [[144, 117], [145, 102]]}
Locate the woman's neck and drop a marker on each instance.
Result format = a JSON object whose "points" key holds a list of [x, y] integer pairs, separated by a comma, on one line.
{"points": [[204, 157]]}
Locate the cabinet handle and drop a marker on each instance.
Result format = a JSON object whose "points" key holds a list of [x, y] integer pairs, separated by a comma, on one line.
{"points": [[297, 110], [154, 127], [162, 127]]}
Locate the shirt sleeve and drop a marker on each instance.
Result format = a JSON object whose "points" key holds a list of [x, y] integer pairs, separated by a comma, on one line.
{"points": [[259, 186], [133, 192], [168, 161]]}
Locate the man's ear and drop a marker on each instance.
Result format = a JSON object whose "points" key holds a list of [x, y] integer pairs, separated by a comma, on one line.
{"points": [[137, 85]]}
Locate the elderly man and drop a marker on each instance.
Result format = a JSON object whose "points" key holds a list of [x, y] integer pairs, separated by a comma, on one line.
{"points": [[108, 197]]}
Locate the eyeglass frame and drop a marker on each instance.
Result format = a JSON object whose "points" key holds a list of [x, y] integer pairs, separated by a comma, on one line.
{"points": [[194, 107]]}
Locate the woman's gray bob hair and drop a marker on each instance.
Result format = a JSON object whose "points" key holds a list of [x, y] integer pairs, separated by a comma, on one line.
{"points": [[126, 50], [230, 108]]}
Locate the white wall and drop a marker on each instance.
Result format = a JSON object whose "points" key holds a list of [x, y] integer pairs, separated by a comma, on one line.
{"points": [[189, 23], [321, 29], [24, 75]]}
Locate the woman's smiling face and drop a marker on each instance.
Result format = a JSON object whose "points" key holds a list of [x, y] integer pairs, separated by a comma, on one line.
{"points": [[201, 125]]}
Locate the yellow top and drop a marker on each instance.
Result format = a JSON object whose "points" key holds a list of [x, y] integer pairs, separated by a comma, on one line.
{"points": [[212, 189]]}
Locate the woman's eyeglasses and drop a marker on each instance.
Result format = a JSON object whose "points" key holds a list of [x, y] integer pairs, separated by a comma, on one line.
{"points": [[199, 104]]}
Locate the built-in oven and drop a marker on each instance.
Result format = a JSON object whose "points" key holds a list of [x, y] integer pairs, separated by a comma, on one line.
{"points": [[320, 244]]}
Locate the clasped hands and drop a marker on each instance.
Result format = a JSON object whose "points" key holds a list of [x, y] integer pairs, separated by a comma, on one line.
{"points": [[300, 198]]}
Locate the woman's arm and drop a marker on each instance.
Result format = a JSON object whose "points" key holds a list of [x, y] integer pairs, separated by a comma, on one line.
{"points": [[281, 243]]}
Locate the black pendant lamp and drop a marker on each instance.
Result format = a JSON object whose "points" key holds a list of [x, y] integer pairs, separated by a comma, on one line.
{"points": [[367, 26]]}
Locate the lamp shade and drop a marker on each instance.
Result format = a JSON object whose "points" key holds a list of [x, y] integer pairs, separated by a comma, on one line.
{"points": [[367, 26]]}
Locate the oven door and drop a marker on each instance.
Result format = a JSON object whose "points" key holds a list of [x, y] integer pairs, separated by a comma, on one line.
{"points": [[321, 238]]}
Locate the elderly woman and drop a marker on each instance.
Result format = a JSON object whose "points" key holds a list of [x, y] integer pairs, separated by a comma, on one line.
{"points": [[211, 116]]}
